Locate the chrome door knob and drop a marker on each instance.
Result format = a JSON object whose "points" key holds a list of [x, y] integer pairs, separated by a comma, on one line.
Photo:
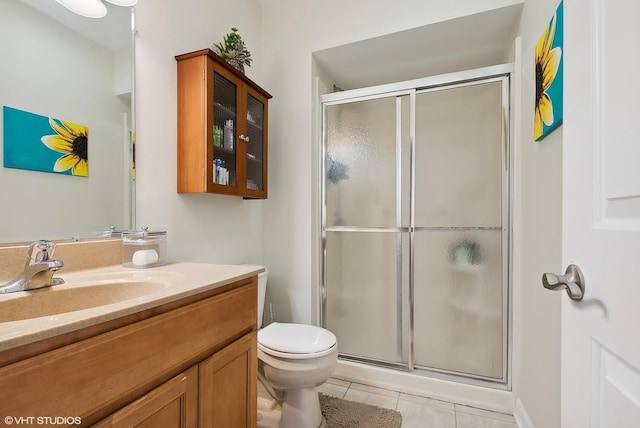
{"points": [[572, 281]]}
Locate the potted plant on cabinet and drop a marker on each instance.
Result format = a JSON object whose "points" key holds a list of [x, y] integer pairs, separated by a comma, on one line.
{"points": [[234, 51]]}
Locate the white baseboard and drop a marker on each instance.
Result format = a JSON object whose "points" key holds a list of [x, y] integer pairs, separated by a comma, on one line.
{"points": [[521, 416]]}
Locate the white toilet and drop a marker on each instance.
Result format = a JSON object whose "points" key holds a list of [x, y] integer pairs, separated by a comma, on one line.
{"points": [[293, 359]]}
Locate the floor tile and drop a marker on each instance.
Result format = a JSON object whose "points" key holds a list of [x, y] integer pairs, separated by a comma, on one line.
{"points": [[333, 390], [375, 390], [418, 411], [340, 382], [371, 398], [427, 400], [468, 420], [485, 413], [419, 415]]}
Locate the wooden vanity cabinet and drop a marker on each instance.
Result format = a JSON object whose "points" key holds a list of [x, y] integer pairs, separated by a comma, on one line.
{"points": [[222, 128], [225, 378], [215, 393], [173, 404], [186, 364]]}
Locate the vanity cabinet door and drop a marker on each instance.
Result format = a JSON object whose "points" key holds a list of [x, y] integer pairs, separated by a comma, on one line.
{"points": [[173, 404], [228, 386]]}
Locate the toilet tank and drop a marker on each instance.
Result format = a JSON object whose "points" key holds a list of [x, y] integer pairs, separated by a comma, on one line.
{"points": [[262, 291]]}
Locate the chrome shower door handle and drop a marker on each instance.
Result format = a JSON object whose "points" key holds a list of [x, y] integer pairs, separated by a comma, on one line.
{"points": [[572, 281]]}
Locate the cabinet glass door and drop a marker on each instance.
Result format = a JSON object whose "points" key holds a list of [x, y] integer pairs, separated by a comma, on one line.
{"points": [[225, 121], [255, 145]]}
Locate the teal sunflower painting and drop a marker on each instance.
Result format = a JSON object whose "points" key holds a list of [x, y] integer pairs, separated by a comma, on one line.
{"points": [[40, 143], [549, 77]]}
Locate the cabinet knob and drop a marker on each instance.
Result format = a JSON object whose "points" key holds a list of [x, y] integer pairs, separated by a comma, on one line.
{"points": [[244, 138]]}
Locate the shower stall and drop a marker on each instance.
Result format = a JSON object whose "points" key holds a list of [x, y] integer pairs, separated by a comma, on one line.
{"points": [[415, 225]]}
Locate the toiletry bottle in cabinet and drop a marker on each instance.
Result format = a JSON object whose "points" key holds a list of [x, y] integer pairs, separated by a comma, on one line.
{"points": [[228, 135], [222, 116]]}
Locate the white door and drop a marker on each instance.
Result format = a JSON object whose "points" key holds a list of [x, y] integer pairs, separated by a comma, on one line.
{"points": [[601, 213]]}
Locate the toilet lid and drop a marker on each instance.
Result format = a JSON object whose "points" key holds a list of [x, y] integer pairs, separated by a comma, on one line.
{"points": [[296, 338]]}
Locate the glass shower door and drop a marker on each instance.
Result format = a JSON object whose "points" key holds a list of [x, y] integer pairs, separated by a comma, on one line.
{"points": [[460, 243], [415, 228], [365, 192]]}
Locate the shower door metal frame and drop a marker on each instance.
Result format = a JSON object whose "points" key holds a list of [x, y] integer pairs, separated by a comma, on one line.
{"points": [[410, 88], [398, 229]]}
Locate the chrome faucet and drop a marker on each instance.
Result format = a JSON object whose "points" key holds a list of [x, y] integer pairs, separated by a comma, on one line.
{"points": [[38, 270]]}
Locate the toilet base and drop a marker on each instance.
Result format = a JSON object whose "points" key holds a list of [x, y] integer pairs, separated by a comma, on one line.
{"points": [[301, 409]]}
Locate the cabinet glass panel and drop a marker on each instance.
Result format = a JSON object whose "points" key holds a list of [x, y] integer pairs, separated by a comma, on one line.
{"points": [[255, 146], [224, 134]]}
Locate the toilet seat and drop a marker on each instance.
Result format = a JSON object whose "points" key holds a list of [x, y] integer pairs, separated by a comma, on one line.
{"points": [[296, 341]]}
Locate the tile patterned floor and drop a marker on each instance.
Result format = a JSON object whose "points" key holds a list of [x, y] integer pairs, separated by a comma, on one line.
{"points": [[419, 412]]}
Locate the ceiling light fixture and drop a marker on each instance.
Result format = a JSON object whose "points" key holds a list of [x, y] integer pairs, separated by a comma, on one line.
{"points": [[123, 2], [92, 8]]}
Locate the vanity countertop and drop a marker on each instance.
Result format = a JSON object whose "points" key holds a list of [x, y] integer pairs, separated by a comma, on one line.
{"points": [[167, 283]]}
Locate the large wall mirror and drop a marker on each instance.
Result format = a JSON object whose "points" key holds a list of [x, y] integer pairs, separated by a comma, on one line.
{"points": [[56, 64]]}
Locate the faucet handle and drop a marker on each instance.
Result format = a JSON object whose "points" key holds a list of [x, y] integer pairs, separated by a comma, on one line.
{"points": [[40, 251]]}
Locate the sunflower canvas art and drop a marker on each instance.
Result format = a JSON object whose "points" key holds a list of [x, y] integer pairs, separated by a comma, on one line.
{"points": [[549, 78], [41, 143]]}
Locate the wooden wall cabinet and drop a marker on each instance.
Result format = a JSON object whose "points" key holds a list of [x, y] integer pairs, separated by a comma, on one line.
{"points": [[183, 365], [222, 128]]}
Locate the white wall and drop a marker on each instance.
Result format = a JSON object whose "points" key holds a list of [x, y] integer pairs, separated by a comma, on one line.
{"points": [[200, 227], [538, 196]]}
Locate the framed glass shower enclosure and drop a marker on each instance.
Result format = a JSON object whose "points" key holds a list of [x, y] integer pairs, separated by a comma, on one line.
{"points": [[416, 224]]}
